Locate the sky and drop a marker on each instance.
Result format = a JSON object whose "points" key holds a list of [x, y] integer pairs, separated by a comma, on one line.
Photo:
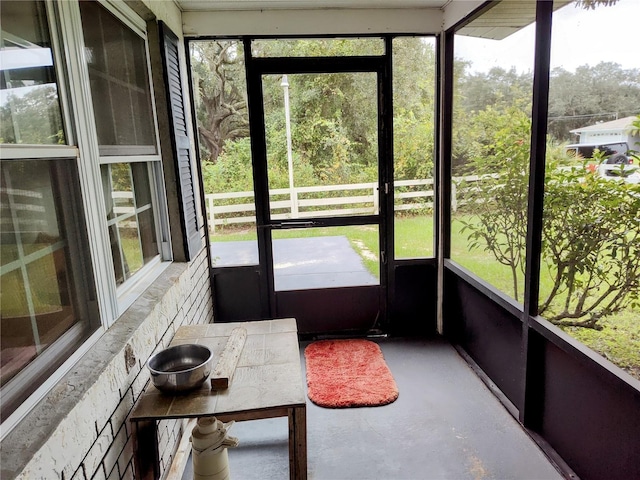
{"points": [[579, 37]]}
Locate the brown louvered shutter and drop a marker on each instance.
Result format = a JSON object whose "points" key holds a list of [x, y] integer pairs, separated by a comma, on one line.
{"points": [[185, 176]]}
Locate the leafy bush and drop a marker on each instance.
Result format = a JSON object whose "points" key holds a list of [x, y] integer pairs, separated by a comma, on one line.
{"points": [[591, 234], [498, 199], [232, 170], [591, 246]]}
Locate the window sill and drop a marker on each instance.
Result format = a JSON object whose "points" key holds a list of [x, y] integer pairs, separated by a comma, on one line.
{"points": [[38, 426], [131, 291]]}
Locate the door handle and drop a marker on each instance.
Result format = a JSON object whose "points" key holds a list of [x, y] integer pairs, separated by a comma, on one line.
{"points": [[293, 224]]}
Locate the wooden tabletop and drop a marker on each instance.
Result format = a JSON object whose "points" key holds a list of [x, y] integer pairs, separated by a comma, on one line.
{"points": [[268, 374]]}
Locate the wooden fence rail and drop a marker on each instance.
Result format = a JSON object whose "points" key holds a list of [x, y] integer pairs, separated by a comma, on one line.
{"points": [[351, 199]]}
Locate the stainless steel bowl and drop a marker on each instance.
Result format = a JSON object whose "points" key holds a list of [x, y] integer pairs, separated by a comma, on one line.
{"points": [[180, 368]]}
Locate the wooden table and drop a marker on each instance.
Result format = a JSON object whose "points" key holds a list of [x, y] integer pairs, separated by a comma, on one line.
{"points": [[267, 383]]}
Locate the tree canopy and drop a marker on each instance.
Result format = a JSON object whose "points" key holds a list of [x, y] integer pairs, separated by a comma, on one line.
{"points": [[220, 91], [334, 116]]}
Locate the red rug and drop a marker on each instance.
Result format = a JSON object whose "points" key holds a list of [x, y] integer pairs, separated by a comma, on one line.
{"points": [[348, 373]]}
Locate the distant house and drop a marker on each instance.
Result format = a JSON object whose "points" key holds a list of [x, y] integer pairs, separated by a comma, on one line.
{"points": [[615, 131]]}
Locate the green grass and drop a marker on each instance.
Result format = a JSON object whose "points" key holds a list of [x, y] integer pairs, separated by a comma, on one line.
{"points": [[618, 341], [480, 262], [414, 237], [132, 254]]}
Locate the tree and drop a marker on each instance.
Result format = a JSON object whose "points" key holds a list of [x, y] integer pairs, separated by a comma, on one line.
{"points": [[497, 87], [218, 71], [498, 199], [591, 235], [32, 118], [591, 246], [334, 121], [333, 116], [413, 102], [602, 92], [592, 4]]}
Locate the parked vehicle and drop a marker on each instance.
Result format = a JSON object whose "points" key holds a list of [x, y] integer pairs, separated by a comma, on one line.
{"points": [[618, 163], [617, 152]]}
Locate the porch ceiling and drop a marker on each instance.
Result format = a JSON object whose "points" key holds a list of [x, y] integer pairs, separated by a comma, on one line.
{"points": [[310, 17], [216, 5]]}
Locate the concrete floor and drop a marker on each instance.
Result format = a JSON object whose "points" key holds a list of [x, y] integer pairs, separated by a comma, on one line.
{"points": [[313, 262], [445, 425]]}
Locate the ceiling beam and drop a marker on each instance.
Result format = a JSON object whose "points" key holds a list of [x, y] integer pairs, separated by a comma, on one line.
{"points": [[313, 22]]}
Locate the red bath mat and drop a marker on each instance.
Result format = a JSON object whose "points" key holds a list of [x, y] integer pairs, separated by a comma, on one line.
{"points": [[348, 373]]}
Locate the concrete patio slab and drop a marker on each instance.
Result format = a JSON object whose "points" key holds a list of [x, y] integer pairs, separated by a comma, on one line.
{"points": [[302, 263]]}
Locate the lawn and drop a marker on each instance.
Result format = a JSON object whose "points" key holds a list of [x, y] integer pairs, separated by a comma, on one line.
{"points": [[618, 341]]}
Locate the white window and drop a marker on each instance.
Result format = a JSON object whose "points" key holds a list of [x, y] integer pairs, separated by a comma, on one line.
{"points": [[118, 72], [84, 223]]}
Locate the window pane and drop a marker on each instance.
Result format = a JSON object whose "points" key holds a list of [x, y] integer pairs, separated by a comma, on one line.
{"points": [[491, 140], [52, 306], [414, 63], [589, 281], [116, 58], [131, 248], [219, 79], [122, 190], [148, 236], [317, 47], [143, 187], [46, 281], [130, 217], [29, 104], [146, 221], [116, 254], [18, 343], [9, 251]]}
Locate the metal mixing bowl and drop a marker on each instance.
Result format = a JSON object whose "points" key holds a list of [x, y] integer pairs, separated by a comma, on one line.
{"points": [[180, 368]]}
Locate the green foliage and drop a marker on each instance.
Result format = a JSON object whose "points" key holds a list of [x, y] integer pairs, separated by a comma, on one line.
{"points": [[478, 100], [634, 150], [591, 234], [120, 177], [591, 246], [232, 170], [592, 4], [220, 95], [33, 118], [317, 47], [618, 340], [590, 94], [413, 146], [498, 199], [334, 123], [635, 126], [498, 88]]}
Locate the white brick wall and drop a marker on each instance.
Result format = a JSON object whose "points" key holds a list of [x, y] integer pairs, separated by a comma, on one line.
{"points": [[93, 440]]}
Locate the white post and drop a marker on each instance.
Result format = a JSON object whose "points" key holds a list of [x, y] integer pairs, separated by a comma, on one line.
{"points": [[212, 220], [287, 119], [376, 199], [454, 196]]}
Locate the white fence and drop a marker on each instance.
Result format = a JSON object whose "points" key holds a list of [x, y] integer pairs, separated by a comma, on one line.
{"points": [[337, 200]]}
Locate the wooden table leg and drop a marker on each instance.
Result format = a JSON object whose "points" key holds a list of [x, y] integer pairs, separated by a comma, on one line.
{"points": [[145, 450], [298, 443]]}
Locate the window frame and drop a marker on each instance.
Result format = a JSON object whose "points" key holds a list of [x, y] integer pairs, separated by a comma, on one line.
{"points": [[78, 120], [115, 299], [131, 288]]}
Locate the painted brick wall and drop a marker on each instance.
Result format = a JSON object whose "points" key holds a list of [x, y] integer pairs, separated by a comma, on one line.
{"points": [[80, 430]]}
